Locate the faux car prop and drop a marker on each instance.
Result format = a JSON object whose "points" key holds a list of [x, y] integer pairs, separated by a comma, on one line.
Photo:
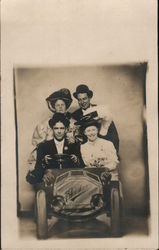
{"points": [[77, 194]]}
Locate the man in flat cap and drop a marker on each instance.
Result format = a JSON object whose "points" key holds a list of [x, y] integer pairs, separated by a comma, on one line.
{"points": [[108, 130], [48, 150]]}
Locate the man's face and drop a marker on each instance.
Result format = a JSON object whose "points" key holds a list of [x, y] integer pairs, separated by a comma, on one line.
{"points": [[60, 106], [83, 100], [92, 133], [59, 131]]}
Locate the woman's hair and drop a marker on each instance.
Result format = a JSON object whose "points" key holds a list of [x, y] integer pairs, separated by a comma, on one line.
{"points": [[59, 117]]}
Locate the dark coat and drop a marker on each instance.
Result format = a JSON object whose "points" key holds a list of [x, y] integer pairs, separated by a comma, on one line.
{"points": [[78, 114], [49, 148]]}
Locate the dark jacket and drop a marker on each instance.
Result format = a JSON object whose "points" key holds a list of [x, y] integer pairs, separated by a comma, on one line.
{"points": [[78, 114], [49, 148]]}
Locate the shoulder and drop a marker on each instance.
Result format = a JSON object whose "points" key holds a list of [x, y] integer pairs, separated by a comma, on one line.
{"points": [[84, 145], [74, 144], [107, 144], [43, 124], [45, 144], [76, 112]]}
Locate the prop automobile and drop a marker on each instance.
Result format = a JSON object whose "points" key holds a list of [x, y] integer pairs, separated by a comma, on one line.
{"points": [[77, 194]]}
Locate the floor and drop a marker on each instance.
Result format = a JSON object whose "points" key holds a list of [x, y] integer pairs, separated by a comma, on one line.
{"points": [[95, 228]]}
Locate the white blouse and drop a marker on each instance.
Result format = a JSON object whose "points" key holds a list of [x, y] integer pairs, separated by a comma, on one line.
{"points": [[100, 151]]}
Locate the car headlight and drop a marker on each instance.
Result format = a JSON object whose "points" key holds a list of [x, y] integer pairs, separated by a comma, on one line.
{"points": [[58, 203], [97, 201]]}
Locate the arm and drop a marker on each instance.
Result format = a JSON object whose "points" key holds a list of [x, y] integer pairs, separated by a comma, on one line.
{"points": [[108, 129], [111, 159], [36, 175], [41, 133], [76, 150], [112, 135]]}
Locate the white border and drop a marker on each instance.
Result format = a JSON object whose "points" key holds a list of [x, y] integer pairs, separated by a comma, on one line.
{"points": [[69, 32]]}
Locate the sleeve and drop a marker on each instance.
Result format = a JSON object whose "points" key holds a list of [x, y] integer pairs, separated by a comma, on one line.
{"points": [[84, 155], [39, 134], [111, 159], [76, 150], [112, 135], [36, 175], [103, 112], [32, 159]]}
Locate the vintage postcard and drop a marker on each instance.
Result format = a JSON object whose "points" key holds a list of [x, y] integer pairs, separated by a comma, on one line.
{"points": [[79, 125]]}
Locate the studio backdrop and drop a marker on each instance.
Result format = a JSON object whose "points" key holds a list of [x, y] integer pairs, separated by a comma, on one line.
{"points": [[120, 87]]}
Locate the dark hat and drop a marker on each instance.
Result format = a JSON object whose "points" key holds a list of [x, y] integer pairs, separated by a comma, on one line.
{"points": [[62, 94], [59, 117], [83, 89], [86, 121]]}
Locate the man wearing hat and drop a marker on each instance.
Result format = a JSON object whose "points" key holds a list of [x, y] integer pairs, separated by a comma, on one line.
{"points": [[58, 101], [48, 150], [108, 130]]}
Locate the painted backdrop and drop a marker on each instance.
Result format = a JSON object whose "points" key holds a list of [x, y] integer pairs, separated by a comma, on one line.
{"points": [[121, 87]]}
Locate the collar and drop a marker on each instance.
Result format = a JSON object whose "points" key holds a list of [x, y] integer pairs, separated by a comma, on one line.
{"points": [[58, 142], [91, 105], [94, 142]]}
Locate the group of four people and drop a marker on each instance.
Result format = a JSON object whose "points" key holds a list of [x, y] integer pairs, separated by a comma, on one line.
{"points": [[88, 135]]}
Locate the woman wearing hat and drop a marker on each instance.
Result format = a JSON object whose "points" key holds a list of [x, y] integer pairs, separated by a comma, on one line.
{"points": [[58, 102], [98, 152], [108, 130]]}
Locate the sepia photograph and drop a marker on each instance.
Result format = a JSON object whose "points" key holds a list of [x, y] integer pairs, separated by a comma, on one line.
{"points": [[79, 127], [81, 139]]}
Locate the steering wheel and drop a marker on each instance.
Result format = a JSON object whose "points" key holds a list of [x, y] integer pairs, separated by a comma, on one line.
{"points": [[60, 160]]}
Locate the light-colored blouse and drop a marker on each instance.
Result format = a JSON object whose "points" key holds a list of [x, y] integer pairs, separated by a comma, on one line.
{"points": [[99, 153]]}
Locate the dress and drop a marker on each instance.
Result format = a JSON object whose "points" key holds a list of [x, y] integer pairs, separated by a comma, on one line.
{"points": [[100, 152]]}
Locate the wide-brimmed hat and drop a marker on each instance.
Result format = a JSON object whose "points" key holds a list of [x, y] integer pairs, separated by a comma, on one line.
{"points": [[83, 89], [86, 121], [62, 94], [59, 117]]}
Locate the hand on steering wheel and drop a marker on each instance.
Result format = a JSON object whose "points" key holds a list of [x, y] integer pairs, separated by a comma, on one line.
{"points": [[47, 158], [74, 158], [48, 177]]}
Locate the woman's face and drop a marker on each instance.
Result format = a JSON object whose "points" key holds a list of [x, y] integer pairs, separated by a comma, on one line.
{"points": [[60, 106], [92, 133]]}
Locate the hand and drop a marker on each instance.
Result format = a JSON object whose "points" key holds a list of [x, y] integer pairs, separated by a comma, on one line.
{"points": [[47, 158], [48, 177], [106, 176], [74, 158]]}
